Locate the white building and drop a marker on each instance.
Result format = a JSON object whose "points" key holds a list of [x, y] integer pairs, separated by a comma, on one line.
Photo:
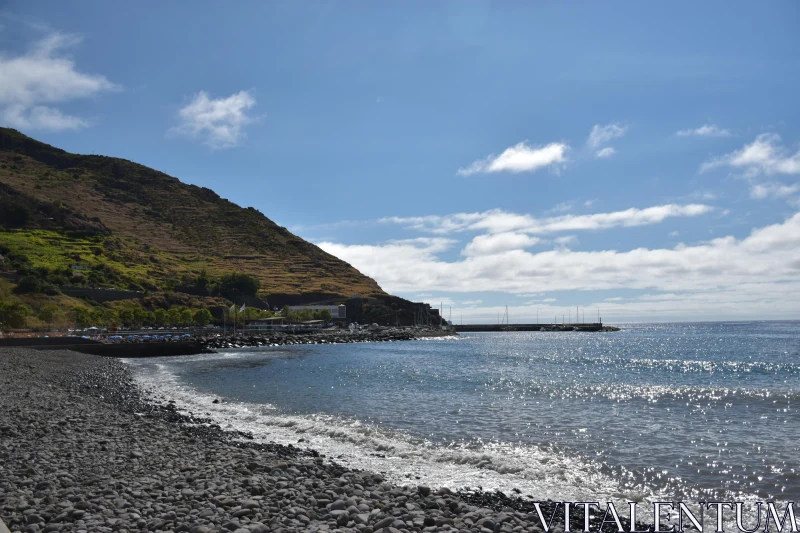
{"points": [[336, 311]]}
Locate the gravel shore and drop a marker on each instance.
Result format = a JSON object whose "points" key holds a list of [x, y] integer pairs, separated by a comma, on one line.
{"points": [[82, 450]]}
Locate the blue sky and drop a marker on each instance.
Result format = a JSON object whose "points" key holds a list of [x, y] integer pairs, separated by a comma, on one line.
{"points": [[640, 158]]}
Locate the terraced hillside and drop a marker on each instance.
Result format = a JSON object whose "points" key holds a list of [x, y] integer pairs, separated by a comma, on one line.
{"points": [[150, 229]]}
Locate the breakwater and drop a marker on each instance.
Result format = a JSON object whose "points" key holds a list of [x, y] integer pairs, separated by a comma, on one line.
{"points": [[595, 326], [322, 337], [187, 344]]}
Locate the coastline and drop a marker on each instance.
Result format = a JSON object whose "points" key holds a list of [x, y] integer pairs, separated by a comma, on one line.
{"points": [[84, 449], [133, 346]]}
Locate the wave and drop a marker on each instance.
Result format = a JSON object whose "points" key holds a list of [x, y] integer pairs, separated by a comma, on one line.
{"points": [[403, 459]]}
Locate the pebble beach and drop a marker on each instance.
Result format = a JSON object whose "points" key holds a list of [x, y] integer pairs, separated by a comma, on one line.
{"points": [[82, 449]]}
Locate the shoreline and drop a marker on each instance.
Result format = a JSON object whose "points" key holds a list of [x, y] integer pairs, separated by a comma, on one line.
{"points": [[134, 346], [83, 448]]}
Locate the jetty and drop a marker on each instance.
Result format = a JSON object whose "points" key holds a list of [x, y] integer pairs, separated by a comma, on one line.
{"points": [[591, 326]]}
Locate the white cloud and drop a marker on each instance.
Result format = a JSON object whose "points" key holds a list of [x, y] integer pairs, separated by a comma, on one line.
{"points": [[768, 258], [565, 240], [31, 83], [521, 157], [499, 221], [707, 130], [41, 118], [605, 152], [766, 155], [498, 243], [601, 135], [561, 207], [218, 122], [760, 191]]}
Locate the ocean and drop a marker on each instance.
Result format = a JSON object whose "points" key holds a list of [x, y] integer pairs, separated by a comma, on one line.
{"points": [[682, 411]]}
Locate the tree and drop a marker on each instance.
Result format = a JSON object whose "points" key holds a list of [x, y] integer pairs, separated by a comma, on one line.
{"points": [[140, 316], [13, 313], [237, 283], [81, 316], [126, 316], [29, 284], [5, 288], [159, 317], [111, 318], [96, 317], [49, 313], [323, 314], [202, 282], [202, 317], [173, 317], [187, 317]]}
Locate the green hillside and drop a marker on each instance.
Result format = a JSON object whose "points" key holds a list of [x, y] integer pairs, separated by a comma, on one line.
{"points": [[77, 221]]}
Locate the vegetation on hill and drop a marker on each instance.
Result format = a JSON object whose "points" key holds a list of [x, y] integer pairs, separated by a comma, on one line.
{"points": [[95, 222]]}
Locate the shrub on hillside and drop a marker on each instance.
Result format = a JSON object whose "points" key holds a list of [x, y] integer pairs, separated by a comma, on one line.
{"points": [[236, 284]]}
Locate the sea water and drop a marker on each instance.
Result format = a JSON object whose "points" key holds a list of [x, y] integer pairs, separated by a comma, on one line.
{"points": [[687, 411]]}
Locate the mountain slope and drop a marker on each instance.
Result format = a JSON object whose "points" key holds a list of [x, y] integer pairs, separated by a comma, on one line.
{"points": [[152, 228]]}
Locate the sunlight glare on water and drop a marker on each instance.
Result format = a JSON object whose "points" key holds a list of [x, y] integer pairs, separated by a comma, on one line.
{"points": [[686, 410]]}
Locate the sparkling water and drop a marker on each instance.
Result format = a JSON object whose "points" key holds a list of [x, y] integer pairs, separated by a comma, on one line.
{"points": [[683, 411]]}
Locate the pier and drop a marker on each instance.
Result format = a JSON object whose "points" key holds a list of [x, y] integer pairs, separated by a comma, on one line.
{"points": [[592, 326]]}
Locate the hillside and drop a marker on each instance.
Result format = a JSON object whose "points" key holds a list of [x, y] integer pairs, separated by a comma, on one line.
{"points": [[107, 222]]}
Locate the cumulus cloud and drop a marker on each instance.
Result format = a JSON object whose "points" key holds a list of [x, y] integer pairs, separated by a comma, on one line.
{"points": [[707, 130], [498, 243], [31, 83], [521, 157], [770, 255], [217, 122], [565, 240], [499, 221], [605, 152], [764, 156], [760, 191], [601, 135]]}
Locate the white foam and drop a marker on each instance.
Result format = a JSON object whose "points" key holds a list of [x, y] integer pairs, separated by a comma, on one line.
{"points": [[401, 458]]}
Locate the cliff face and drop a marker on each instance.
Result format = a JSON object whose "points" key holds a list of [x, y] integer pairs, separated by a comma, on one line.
{"points": [[60, 209]]}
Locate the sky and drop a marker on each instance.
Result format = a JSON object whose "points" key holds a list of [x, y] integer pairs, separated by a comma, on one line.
{"points": [[638, 161]]}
